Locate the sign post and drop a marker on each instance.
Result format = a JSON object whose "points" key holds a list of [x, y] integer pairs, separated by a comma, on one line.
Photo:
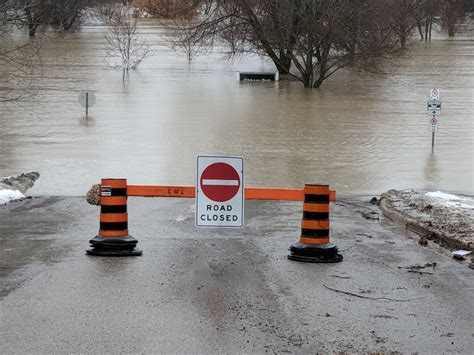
{"points": [[433, 106], [220, 191], [87, 99]]}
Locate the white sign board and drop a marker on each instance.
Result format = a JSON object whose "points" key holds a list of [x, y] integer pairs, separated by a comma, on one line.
{"points": [[433, 123], [433, 106], [220, 191], [434, 94], [87, 98]]}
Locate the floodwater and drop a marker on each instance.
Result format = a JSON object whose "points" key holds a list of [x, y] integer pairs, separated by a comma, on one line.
{"points": [[362, 135]]}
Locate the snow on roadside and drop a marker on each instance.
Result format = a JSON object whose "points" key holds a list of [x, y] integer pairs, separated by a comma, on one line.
{"points": [[14, 187], [442, 216], [10, 195], [450, 200]]}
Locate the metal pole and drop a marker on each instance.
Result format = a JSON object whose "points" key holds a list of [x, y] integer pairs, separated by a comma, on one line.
{"points": [[432, 140], [87, 104]]}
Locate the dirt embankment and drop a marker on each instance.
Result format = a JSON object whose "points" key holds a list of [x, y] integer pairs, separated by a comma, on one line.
{"points": [[445, 218], [21, 182]]}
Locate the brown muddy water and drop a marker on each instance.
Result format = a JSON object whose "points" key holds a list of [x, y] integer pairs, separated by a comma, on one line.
{"points": [[362, 135]]}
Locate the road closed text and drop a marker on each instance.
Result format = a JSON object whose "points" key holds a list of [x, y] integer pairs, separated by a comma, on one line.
{"points": [[219, 213], [219, 192]]}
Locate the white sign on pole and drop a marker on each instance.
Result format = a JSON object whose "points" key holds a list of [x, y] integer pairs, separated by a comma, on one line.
{"points": [[434, 94], [433, 106], [87, 98], [220, 191], [433, 123]]}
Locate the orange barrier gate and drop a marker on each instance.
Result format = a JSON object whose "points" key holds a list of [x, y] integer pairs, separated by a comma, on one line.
{"points": [[250, 193], [314, 245]]}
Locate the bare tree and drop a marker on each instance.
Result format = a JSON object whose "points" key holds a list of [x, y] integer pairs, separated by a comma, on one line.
{"points": [[181, 36], [66, 15], [307, 39], [125, 48], [261, 26], [17, 70], [62, 15], [453, 12], [331, 35], [18, 58], [31, 14], [105, 10], [403, 16], [429, 9], [170, 9]]}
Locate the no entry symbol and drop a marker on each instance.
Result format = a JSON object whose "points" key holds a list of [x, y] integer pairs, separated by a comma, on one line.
{"points": [[434, 94], [220, 191], [220, 182]]}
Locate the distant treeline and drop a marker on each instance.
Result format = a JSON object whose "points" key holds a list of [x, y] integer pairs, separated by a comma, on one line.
{"points": [[308, 40]]}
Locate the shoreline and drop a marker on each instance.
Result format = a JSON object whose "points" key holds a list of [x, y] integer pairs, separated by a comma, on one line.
{"points": [[449, 226]]}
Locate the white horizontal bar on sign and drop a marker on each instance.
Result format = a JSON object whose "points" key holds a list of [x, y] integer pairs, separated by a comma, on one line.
{"points": [[220, 182]]}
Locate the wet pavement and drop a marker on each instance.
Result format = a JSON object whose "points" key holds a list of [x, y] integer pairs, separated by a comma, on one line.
{"points": [[224, 291]]}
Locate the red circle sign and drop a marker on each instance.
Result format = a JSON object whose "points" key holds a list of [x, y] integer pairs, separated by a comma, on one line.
{"points": [[434, 121], [220, 182]]}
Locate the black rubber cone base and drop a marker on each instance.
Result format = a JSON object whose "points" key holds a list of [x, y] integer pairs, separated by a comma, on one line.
{"points": [[114, 246], [96, 252], [324, 253]]}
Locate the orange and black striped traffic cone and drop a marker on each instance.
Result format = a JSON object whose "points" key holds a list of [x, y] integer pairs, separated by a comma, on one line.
{"points": [[113, 238], [314, 245]]}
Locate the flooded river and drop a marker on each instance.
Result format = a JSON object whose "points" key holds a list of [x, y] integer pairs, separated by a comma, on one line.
{"points": [[362, 135]]}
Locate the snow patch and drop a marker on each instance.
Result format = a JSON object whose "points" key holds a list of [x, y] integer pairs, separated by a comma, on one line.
{"points": [[443, 196], [10, 195], [451, 200], [446, 217]]}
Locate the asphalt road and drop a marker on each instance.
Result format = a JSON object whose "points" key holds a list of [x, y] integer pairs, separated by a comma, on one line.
{"points": [[224, 291]]}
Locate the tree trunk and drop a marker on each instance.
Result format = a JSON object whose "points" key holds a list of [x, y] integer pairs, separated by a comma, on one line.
{"points": [[317, 84], [451, 29], [306, 79], [403, 41], [420, 30], [431, 28], [68, 25], [283, 64], [323, 64], [32, 29], [322, 72], [426, 30]]}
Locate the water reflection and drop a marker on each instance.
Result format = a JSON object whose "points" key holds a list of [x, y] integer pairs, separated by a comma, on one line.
{"points": [[87, 121], [431, 171]]}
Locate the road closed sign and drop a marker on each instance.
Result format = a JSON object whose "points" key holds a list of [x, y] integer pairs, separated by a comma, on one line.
{"points": [[220, 191]]}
